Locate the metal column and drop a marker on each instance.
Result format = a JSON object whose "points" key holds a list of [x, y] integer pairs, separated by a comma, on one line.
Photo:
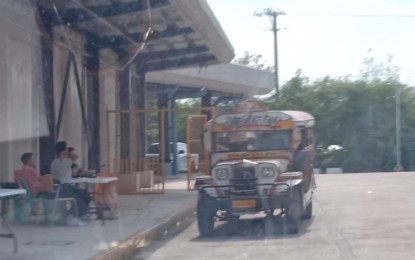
{"points": [[163, 102], [173, 119], [93, 115], [124, 96], [47, 143]]}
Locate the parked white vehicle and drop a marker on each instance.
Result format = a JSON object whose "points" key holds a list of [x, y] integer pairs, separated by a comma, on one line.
{"points": [[154, 151]]}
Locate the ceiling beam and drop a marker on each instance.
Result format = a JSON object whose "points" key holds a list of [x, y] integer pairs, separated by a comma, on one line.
{"points": [[116, 41], [167, 54], [79, 15]]}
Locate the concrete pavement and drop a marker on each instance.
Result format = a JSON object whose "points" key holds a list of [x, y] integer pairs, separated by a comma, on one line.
{"points": [[139, 214], [356, 216]]}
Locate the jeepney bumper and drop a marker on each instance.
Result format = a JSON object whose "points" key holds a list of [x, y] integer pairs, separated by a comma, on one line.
{"points": [[236, 204]]}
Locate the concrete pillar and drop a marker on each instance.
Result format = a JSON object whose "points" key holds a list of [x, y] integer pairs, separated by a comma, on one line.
{"points": [[72, 127], [109, 99], [139, 101], [133, 126]]}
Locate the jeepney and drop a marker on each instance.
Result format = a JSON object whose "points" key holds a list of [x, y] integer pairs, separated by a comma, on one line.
{"points": [[261, 161]]}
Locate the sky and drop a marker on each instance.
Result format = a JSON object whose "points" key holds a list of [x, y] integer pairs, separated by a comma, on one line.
{"points": [[324, 37]]}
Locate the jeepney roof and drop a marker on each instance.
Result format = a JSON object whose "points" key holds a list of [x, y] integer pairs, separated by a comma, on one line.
{"points": [[298, 115], [248, 119], [300, 118]]}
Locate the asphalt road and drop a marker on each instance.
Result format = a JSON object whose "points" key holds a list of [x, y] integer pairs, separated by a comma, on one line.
{"points": [[356, 216]]}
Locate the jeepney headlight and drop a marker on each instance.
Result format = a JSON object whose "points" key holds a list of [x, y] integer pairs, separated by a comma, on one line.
{"points": [[222, 174], [268, 172]]}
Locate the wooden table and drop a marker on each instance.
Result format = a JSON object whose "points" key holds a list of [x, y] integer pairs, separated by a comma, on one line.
{"points": [[91, 182], [5, 195]]}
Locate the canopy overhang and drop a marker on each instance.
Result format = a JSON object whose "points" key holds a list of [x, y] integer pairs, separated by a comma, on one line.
{"points": [[183, 33], [223, 78]]}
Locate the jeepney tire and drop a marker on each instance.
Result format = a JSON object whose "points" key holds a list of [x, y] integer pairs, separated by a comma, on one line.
{"points": [[205, 220], [294, 214], [233, 221], [308, 212]]}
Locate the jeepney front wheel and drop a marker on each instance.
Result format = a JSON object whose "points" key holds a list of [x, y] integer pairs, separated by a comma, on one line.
{"points": [[205, 216], [294, 211]]}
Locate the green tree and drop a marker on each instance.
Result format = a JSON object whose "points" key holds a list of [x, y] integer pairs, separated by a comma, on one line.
{"points": [[182, 116], [358, 115]]}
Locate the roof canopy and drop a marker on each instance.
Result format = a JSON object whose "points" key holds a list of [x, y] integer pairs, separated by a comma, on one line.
{"points": [[223, 78], [186, 33]]}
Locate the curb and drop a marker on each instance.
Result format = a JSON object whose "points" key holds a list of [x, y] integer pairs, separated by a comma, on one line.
{"points": [[129, 246]]}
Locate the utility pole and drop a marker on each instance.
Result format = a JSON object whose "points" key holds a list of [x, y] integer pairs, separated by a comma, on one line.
{"points": [[398, 166], [273, 14]]}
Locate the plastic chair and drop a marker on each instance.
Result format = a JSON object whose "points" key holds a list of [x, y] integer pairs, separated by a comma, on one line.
{"points": [[46, 201], [56, 200], [29, 199]]}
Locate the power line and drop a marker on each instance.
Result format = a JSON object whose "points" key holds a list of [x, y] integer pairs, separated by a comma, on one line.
{"points": [[356, 15]]}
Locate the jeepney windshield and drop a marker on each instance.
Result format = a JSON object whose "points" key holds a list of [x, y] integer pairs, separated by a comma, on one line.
{"points": [[252, 141]]}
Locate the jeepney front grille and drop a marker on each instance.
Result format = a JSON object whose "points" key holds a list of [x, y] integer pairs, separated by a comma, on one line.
{"points": [[244, 181]]}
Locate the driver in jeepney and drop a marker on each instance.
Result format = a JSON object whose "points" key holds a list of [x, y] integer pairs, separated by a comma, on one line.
{"points": [[270, 140]]}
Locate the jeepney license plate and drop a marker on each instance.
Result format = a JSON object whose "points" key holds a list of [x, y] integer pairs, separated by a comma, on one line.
{"points": [[243, 204]]}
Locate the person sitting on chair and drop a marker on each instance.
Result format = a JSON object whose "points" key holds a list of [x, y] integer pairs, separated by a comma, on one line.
{"points": [[31, 176], [61, 168]]}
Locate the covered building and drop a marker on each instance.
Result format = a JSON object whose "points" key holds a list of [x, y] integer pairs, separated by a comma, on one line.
{"points": [[65, 63]]}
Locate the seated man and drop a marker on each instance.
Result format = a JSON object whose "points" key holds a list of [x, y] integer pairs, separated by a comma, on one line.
{"points": [[31, 176], [61, 169]]}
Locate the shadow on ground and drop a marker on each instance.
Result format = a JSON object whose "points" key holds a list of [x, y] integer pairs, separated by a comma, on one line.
{"points": [[255, 229], [246, 229]]}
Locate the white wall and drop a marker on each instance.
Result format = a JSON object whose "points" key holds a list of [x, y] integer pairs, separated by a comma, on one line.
{"points": [[20, 79], [21, 101]]}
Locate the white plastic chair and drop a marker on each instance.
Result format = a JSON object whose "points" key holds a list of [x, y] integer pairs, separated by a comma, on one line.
{"points": [[57, 200]]}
